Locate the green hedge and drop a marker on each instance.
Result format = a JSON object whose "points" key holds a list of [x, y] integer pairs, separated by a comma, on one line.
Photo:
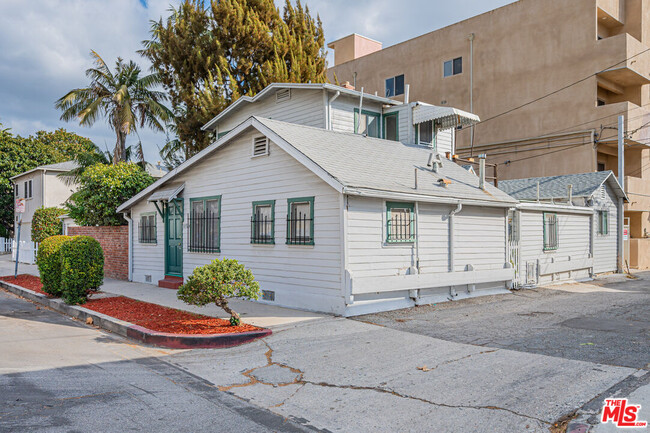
{"points": [[46, 223], [48, 260], [82, 268]]}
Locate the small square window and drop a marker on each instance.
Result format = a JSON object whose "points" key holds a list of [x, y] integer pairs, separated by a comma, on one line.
{"points": [[394, 86], [453, 67]]}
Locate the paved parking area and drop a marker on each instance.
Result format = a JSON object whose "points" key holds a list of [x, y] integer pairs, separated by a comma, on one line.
{"points": [[605, 322]]}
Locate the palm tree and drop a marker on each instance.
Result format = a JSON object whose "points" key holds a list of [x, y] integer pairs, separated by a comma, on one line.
{"points": [[124, 97]]}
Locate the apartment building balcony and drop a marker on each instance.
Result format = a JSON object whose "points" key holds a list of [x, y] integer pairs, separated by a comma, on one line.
{"points": [[627, 60]]}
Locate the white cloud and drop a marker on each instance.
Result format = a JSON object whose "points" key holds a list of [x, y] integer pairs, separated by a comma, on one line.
{"points": [[45, 45]]}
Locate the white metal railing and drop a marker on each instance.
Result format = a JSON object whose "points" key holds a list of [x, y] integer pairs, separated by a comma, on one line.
{"points": [[5, 245], [28, 252]]}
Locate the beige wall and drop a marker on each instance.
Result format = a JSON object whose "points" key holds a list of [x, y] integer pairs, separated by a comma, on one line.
{"points": [[524, 52]]}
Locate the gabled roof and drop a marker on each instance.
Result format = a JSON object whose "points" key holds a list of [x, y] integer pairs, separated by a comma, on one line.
{"points": [[267, 91], [354, 164], [556, 187], [61, 166]]}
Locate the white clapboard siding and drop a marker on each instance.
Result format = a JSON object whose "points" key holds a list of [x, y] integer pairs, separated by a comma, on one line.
{"points": [[302, 276], [305, 107], [445, 141], [479, 238], [342, 115], [148, 259], [605, 246], [574, 235]]}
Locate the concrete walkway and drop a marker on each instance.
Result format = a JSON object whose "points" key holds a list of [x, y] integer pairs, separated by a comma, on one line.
{"points": [[254, 313]]}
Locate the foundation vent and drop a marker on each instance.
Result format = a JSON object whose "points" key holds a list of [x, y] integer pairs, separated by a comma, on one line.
{"points": [[268, 295], [147, 278]]}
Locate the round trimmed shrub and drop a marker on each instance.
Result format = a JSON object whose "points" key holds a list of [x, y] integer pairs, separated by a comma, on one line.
{"points": [[216, 282], [46, 223], [82, 268], [48, 259]]}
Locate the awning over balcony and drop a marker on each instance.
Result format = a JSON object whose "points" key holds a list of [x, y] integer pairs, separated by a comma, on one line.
{"points": [[168, 194], [446, 117]]}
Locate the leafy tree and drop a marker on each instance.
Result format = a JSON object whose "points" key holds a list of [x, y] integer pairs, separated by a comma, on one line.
{"points": [[216, 282], [46, 223], [19, 154], [208, 54], [124, 97], [102, 188]]}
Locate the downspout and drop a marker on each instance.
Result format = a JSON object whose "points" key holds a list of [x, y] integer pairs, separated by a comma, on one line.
{"points": [[459, 207], [417, 237], [329, 109], [130, 254], [360, 108]]}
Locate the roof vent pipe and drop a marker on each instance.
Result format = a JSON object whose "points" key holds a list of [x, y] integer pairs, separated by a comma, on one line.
{"points": [[360, 111], [481, 171], [434, 162], [570, 194], [407, 89]]}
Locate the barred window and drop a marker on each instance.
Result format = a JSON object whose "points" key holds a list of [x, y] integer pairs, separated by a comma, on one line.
{"points": [[205, 226], [262, 222], [603, 222], [300, 221], [551, 237], [147, 229], [400, 222]]}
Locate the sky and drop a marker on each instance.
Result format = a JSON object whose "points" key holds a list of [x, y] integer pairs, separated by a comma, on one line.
{"points": [[45, 46]]}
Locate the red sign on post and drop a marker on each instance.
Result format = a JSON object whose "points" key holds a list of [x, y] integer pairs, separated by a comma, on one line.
{"points": [[20, 205]]}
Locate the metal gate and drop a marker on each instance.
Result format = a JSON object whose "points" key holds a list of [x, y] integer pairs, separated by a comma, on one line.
{"points": [[514, 255]]}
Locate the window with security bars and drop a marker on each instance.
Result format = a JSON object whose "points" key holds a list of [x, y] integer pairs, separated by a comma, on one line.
{"points": [[204, 224], [300, 221], [400, 222], [551, 238], [603, 222], [147, 229], [262, 222]]}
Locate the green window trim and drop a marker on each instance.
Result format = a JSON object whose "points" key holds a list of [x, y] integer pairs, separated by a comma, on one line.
{"points": [[548, 237], [217, 248], [387, 116], [254, 238], [291, 240], [221, 134], [390, 205], [603, 222], [367, 113]]}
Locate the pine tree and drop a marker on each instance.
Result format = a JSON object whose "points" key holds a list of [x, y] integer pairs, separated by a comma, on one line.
{"points": [[210, 54]]}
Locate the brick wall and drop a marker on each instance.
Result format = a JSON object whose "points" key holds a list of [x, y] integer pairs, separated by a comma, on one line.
{"points": [[115, 243]]}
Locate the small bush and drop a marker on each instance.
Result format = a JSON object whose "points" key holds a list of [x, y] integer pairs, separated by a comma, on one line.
{"points": [[48, 259], [218, 281], [46, 223], [82, 268]]}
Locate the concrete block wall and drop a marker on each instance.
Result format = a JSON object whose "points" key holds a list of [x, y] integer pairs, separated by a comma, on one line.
{"points": [[115, 243]]}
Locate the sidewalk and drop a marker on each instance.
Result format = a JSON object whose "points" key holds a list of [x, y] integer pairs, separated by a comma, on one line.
{"points": [[254, 313]]}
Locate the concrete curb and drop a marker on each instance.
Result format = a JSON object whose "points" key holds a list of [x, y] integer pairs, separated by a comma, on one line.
{"points": [[138, 333]]}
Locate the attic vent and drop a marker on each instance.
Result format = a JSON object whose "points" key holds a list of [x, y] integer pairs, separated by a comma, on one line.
{"points": [[260, 146], [282, 95], [268, 295]]}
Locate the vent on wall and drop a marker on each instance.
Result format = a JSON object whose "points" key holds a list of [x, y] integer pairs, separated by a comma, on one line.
{"points": [[147, 278], [268, 295], [260, 146], [282, 95]]}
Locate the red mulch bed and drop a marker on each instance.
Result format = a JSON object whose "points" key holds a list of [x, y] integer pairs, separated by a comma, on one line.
{"points": [[150, 316], [27, 281], [163, 319]]}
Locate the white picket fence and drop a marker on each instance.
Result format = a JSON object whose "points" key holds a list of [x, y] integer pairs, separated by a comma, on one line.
{"points": [[5, 245], [28, 252]]}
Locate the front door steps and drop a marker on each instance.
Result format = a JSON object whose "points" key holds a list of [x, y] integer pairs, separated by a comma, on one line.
{"points": [[170, 282]]}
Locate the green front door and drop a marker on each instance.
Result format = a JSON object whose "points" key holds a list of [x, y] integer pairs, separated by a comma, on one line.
{"points": [[174, 238]]}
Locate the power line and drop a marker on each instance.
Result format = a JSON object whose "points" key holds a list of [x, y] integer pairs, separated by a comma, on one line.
{"points": [[561, 89], [508, 162]]}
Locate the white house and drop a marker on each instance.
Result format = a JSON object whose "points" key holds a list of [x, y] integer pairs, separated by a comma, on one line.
{"points": [[565, 226], [40, 187], [327, 220]]}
